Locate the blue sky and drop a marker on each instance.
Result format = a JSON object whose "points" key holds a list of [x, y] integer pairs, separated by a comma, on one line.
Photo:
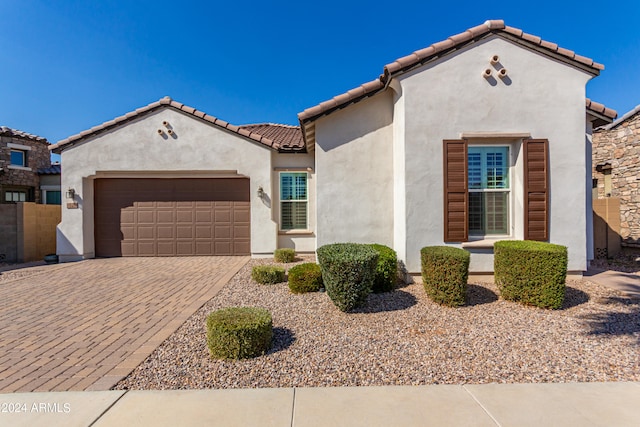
{"points": [[69, 65]]}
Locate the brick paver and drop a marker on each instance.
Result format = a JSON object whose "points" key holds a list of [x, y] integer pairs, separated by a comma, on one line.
{"points": [[86, 325]]}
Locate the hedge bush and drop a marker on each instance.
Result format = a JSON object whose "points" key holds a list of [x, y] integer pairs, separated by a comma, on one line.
{"points": [[267, 274], [445, 270], [348, 270], [305, 277], [386, 274], [239, 332], [284, 255], [532, 273]]}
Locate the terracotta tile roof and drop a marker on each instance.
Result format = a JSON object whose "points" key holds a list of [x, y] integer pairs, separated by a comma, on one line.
{"points": [[168, 102], [622, 119], [289, 137], [596, 107], [7, 131], [54, 169], [452, 43]]}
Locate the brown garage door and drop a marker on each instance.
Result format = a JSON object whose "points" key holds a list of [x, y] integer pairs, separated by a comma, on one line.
{"points": [[171, 217]]}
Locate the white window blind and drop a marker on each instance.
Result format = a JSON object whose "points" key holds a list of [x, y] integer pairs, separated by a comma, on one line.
{"points": [[293, 200]]}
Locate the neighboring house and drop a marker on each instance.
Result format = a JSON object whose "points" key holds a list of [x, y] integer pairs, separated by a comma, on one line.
{"points": [[616, 170], [22, 156], [481, 137]]}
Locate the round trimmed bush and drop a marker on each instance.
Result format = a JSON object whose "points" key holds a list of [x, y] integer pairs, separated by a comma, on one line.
{"points": [[531, 272], [386, 276], [239, 332], [305, 277], [348, 270], [267, 274], [284, 255], [445, 271]]}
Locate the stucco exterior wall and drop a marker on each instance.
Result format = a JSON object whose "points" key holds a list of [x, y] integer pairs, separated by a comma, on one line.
{"points": [[300, 240], [354, 165], [540, 97], [380, 161], [198, 149]]}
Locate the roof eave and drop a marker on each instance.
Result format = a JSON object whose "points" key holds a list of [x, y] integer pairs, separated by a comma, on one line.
{"points": [[143, 111]]}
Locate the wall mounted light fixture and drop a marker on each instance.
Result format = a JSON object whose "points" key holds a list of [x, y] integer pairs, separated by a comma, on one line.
{"points": [[260, 192], [71, 194]]}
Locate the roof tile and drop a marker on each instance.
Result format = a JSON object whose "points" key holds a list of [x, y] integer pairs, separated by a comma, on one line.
{"points": [[495, 24], [600, 108], [168, 102], [7, 131], [443, 45]]}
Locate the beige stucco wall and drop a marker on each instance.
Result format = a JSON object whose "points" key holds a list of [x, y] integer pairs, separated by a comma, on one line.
{"points": [[354, 165], [389, 149], [136, 150], [541, 97]]}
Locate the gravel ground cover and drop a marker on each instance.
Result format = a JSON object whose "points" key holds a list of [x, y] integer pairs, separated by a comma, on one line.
{"points": [[402, 338]]}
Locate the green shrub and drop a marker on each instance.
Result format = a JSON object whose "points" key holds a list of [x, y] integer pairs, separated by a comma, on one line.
{"points": [[348, 270], [445, 270], [267, 274], [532, 273], [284, 255], [386, 275], [239, 332], [305, 277]]}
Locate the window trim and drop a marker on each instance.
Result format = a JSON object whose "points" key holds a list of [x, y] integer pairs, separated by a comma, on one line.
{"points": [[511, 164], [11, 191], [305, 230]]}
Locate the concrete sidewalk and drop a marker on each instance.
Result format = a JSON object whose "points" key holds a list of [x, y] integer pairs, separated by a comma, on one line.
{"points": [[566, 404], [624, 282]]}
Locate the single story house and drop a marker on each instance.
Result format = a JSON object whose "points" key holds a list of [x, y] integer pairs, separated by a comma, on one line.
{"points": [[480, 137], [616, 170]]}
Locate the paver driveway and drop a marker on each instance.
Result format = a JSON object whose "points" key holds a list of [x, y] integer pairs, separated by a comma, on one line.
{"points": [[86, 325]]}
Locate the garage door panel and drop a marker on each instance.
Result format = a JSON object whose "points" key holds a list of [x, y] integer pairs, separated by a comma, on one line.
{"points": [[184, 232], [146, 217], [128, 217], [223, 248], [168, 217], [145, 232], [184, 216], [166, 248], [128, 232], [204, 232], [147, 248], [203, 216], [164, 232], [204, 248], [222, 232], [241, 247], [241, 231], [222, 215]]}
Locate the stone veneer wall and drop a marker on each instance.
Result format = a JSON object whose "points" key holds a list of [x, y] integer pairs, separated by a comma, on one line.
{"points": [[38, 157], [620, 147]]}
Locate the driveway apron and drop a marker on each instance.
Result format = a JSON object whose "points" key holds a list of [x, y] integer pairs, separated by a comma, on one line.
{"points": [[86, 325]]}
